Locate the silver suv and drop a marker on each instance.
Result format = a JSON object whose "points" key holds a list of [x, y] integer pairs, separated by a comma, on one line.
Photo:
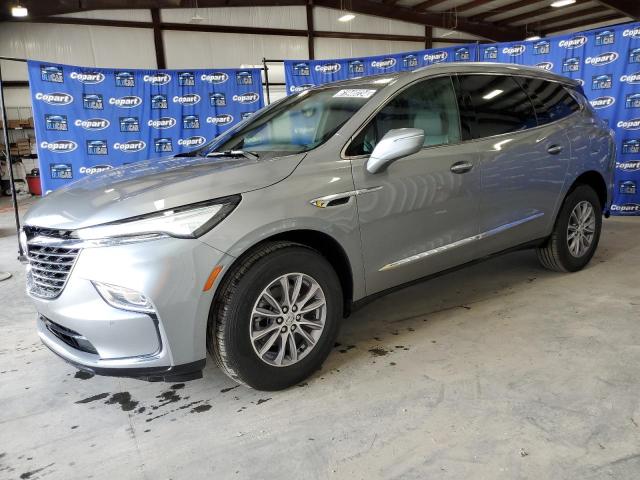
{"points": [[255, 246]]}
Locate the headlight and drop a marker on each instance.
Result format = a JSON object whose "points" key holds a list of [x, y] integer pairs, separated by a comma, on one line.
{"points": [[190, 221]]}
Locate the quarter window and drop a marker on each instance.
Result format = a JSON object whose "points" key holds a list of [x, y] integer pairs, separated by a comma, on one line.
{"points": [[429, 105], [551, 100], [492, 105]]}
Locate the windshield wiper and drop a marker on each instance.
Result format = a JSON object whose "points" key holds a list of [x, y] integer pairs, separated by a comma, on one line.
{"points": [[234, 153]]}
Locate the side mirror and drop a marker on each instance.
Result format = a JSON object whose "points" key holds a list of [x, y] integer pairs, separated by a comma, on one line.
{"points": [[395, 144]]}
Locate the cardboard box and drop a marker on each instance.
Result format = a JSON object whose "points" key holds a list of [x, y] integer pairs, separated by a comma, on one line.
{"points": [[14, 123]]}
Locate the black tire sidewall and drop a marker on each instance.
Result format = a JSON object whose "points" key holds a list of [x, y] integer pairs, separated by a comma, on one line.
{"points": [[579, 194], [240, 353]]}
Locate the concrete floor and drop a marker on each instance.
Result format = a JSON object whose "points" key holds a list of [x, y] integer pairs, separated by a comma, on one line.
{"points": [[499, 371]]}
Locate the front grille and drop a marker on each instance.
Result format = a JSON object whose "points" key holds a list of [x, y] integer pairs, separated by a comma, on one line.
{"points": [[49, 264]]}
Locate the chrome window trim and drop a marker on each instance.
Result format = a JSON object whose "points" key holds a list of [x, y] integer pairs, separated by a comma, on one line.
{"points": [[343, 155], [459, 243]]}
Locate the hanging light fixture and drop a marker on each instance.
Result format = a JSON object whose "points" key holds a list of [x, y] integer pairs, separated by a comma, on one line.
{"points": [[346, 16], [562, 3], [196, 17], [19, 11]]}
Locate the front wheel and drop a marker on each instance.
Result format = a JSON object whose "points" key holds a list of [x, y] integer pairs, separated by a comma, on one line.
{"points": [[575, 234], [276, 316]]}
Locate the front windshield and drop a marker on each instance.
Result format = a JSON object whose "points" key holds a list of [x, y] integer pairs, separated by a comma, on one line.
{"points": [[296, 124]]}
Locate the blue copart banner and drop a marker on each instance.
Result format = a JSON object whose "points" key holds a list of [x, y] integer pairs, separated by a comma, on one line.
{"points": [[606, 61], [303, 74], [91, 119]]}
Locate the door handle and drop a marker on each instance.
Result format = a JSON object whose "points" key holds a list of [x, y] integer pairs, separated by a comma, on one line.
{"points": [[554, 149], [461, 167]]}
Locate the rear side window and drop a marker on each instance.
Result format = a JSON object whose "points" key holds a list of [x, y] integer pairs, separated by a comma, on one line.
{"points": [[429, 105], [492, 105], [551, 100]]}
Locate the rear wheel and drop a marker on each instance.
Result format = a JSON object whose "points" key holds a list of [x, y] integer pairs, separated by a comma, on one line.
{"points": [[276, 316], [576, 232]]}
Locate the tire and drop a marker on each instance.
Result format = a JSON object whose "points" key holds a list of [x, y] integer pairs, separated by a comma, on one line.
{"points": [[556, 254], [242, 294]]}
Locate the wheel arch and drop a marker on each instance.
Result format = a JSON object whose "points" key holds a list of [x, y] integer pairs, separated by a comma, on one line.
{"points": [[319, 241], [595, 180]]}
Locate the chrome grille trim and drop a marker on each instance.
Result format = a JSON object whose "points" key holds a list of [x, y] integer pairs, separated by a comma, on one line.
{"points": [[51, 255]]}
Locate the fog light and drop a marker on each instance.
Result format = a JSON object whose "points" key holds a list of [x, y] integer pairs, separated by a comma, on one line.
{"points": [[124, 298]]}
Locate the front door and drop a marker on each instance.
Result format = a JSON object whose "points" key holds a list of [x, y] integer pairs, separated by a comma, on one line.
{"points": [[420, 215]]}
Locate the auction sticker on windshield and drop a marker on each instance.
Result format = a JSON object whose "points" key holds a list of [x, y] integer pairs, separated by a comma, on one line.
{"points": [[355, 93]]}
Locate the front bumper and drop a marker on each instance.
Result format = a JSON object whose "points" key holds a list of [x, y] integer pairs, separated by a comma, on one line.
{"points": [[83, 329]]}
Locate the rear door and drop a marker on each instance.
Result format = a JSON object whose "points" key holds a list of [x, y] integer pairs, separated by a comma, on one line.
{"points": [[418, 216], [523, 164]]}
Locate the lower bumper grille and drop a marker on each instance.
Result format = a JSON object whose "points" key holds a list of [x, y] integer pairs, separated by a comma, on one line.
{"points": [[68, 336]]}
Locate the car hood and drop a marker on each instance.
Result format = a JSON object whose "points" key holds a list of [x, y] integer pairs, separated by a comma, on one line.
{"points": [[152, 185]]}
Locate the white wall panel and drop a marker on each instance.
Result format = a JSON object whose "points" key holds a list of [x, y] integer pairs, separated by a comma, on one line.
{"points": [[123, 47], [326, 19], [138, 15], [224, 50], [75, 44], [341, 48], [273, 17]]}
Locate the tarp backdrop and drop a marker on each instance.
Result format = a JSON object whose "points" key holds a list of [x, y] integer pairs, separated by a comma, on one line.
{"points": [[91, 119], [606, 61]]}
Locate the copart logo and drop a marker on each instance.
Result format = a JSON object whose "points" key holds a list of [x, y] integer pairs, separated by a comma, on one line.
{"points": [[626, 208], [187, 100], [384, 63], [60, 146], [545, 65], [602, 102], [574, 42], [191, 142], [436, 57], [223, 119], [56, 98], [633, 124], [132, 146], [217, 77], [328, 68], [629, 166], [95, 169], [126, 102], [632, 32], [161, 123], [515, 50], [157, 78], [93, 123], [602, 59], [250, 97], [300, 88], [632, 78], [88, 77]]}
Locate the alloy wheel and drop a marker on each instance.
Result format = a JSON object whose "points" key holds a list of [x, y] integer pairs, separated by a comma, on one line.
{"points": [[581, 229], [287, 320]]}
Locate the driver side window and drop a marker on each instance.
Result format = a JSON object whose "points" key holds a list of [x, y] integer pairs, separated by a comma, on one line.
{"points": [[430, 105]]}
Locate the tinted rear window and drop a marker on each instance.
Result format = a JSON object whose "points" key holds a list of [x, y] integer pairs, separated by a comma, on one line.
{"points": [[551, 100], [493, 105]]}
